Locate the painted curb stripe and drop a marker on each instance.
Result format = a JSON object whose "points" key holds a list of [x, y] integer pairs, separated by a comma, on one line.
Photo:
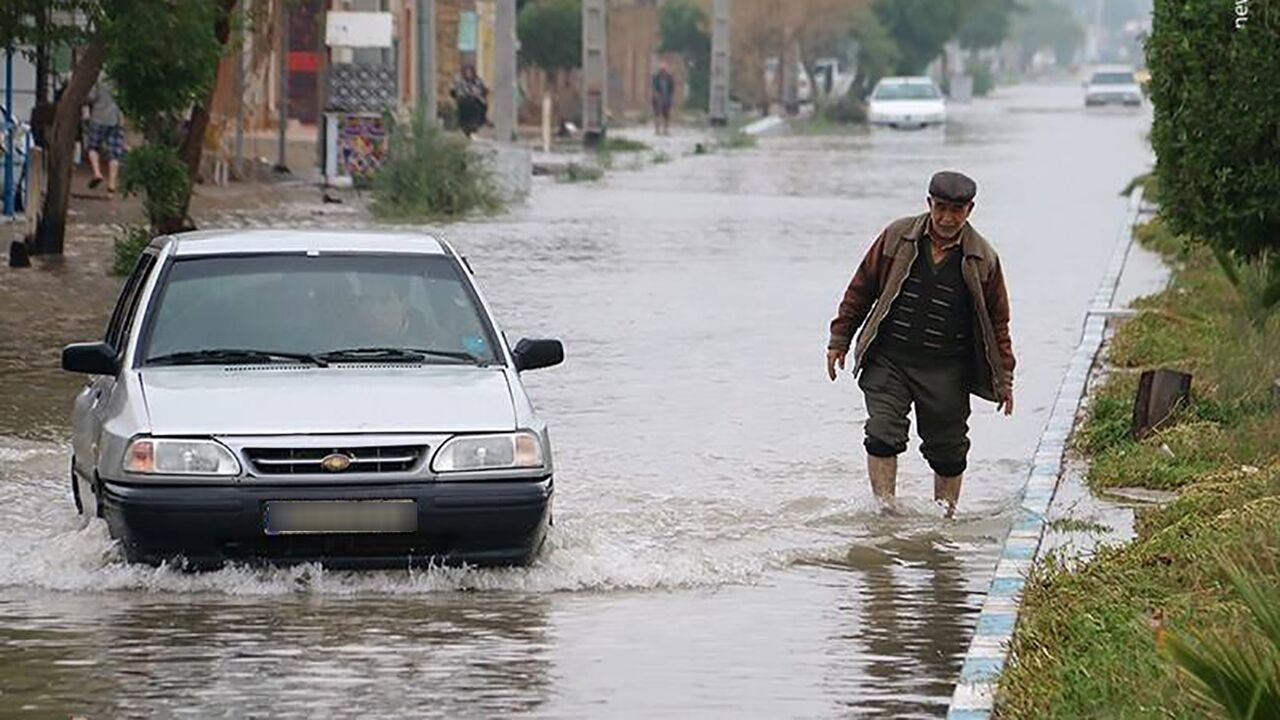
{"points": [[974, 694]]}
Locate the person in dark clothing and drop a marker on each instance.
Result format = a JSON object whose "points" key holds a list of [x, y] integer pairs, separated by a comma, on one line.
{"points": [[472, 98], [931, 300], [664, 93]]}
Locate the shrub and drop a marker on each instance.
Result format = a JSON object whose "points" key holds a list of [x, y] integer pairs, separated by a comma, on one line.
{"points": [[846, 110], [1216, 110], [429, 175], [126, 246]]}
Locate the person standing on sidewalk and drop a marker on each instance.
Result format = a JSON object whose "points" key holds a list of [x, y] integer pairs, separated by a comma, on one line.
{"points": [[106, 134], [930, 298], [664, 95]]}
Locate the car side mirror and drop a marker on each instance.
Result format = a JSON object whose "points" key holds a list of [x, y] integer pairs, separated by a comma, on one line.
{"points": [[96, 358], [535, 354]]}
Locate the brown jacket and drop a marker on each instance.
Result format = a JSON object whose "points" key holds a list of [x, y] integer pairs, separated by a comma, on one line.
{"points": [[879, 279]]}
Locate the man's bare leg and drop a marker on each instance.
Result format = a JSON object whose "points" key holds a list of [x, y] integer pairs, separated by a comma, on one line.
{"points": [[95, 163], [113, 172], [946, 492], [883, 472]]}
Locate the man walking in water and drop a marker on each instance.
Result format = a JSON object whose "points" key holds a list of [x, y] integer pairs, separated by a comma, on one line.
{"points": [[664, 94], [931, 300]]}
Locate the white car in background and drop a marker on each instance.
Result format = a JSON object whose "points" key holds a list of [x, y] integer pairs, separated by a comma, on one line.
{"points": [[903, 102], [1112, 85]]}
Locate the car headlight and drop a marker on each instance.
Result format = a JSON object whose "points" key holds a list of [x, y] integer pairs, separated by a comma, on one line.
{"points": [[155, 456], [506, 451]]}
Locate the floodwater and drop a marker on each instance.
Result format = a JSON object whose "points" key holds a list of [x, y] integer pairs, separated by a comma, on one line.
{"points": [[716, 552]]}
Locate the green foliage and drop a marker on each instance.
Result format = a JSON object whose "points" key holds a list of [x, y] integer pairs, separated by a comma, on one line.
{"points": [[1216, 114], [428, 174], [1257, 283], [919, 28], [25, 24], [1048, 24], [985, 23], [845, 110], [878, 53], [983, 81], [127, 246], [621, 144], [550, 33], [682, 27], [577, 172], [156, 171], [1241, 680], [735, 140], [164, 58]]}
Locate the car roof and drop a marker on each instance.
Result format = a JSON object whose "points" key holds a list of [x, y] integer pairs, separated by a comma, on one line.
{"points": [[232, 242], [1113, 69], [905, 80]]}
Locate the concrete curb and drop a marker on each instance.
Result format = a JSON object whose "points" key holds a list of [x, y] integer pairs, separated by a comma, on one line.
{"points": [[974, 695]]}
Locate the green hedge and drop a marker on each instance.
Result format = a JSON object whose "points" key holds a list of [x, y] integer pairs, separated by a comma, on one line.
{"points": [[1216, 132]]}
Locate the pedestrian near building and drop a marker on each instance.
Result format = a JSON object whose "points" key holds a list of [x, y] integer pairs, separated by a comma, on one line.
{"points": [[105, 135], [472, 98], [664, 94], [931, 302]]}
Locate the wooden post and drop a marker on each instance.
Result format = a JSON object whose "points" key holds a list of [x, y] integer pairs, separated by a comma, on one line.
{"points": [[1160, 392]]}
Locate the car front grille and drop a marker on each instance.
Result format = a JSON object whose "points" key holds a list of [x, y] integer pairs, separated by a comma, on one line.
{"points": [[311, 461]]}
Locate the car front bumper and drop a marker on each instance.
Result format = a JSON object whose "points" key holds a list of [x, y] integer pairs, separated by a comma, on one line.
{"points": [[483, 523]]}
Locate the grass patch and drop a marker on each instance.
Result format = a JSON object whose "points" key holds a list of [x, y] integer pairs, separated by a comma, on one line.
{"points": [[1090, 641], [660, 158], [430, 175], [578, 172], [1077, 525], [735, 140], [621, 144]]}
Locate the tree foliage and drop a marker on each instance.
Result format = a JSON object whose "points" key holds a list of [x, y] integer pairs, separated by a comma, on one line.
{"points": [[1216, 129], [550, 33], [920, 28], [1048, 24], [682, 27]]}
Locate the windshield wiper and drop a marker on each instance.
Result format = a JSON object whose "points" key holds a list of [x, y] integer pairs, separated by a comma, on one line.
{"points": [[233, 355], [394, 354]]}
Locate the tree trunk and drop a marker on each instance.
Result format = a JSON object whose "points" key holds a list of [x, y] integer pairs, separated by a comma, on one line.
{"points": [[66, 120], [193, 144]]}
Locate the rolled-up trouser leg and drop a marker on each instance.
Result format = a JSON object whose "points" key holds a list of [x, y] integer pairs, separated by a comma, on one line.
{"points": [[888, 397], [941, 395]]}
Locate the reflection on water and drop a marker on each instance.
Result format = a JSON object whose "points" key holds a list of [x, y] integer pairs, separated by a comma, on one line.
{"points": [[716, 552]]}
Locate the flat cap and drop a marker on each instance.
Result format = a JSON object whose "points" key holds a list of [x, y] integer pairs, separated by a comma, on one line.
{"points": [[953, 187]]}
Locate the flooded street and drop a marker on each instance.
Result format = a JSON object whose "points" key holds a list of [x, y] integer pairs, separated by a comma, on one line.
{"points": [[716, 552]]}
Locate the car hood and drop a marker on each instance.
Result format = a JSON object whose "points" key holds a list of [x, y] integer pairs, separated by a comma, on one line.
{"points": [[280, 399], [1113, 89]]}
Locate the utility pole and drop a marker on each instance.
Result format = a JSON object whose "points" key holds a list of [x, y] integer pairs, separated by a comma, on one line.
{"points": [[720, 42], [282, 99], [595, 70], [426, 11], [504, 77]]}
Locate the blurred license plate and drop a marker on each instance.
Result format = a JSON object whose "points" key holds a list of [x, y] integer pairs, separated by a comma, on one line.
{"points": [[285, 517]]}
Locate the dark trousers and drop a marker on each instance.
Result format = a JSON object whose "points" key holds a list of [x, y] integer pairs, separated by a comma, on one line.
{"points": [[939, 390]]}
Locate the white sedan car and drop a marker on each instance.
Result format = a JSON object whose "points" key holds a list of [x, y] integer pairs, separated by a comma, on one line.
{"points": [[903, 102], [1113, 85]]}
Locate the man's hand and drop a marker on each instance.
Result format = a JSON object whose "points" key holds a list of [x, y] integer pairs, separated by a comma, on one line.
{"points": [[1006, 404], [835, 357]]}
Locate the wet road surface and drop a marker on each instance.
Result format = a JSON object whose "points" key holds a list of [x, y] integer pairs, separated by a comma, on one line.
{"points": [[716, 551]]}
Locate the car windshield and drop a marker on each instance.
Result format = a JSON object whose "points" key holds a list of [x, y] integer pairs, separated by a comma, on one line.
{"points": [[267, 307], [1112, 78], [905, 91]]}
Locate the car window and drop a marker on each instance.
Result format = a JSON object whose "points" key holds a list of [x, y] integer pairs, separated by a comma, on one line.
{"points": [[122, 317], [1112, 78], [905, 91], [300, 304]]}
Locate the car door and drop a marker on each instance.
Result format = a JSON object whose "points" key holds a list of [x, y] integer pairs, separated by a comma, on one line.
{"points": [[91, 404]]}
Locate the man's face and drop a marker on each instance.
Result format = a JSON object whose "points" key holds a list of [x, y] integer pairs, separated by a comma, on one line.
{"points": [[948, 217]]}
